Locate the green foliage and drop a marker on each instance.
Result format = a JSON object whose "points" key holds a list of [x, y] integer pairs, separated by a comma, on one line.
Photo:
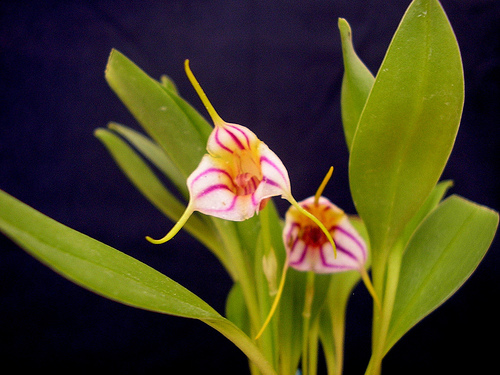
{"points": [[408, 126], [442, 254], [400, 128]]}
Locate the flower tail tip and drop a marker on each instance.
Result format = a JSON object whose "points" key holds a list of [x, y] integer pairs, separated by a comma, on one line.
{"points": [[160, 241], [177, 227]]}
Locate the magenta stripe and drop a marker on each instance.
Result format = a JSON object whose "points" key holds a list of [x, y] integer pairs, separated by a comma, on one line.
{"points": [[343, 250], [235, 139], [219, 143], [211, 170], [266, 160], [213, 188], [271, 182], [348, 234], [330, 265], [242, 132], [302, 256]]}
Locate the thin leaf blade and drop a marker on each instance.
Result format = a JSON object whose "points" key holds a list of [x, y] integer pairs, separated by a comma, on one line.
{"points": [[152, 105], [356, 84]]}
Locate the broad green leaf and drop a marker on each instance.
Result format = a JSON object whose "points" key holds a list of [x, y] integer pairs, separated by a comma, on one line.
{"points": [[160, 115], [356, 84], [96, 266], [442, 254], [154, 153], [409, 123], [111, 273]]}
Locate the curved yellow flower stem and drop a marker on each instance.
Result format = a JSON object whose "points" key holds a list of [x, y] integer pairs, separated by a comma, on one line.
{"points": [[321, 188], [369, 286], [210, 108], [276, 299], [177, 227]]}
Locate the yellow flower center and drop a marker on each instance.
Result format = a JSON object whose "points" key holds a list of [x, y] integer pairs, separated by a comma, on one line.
{"points": [[247, 174]]}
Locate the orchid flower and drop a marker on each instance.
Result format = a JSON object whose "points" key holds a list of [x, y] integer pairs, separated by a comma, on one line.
{"points": [[309, 250], [307, 246], [237, 176]]}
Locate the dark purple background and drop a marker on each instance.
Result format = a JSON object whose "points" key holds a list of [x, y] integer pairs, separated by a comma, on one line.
{"points": [[274, 66]]}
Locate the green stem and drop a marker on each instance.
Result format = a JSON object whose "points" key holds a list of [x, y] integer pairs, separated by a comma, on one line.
{"points": [[239, 267], [307, 321], [382, 317]]}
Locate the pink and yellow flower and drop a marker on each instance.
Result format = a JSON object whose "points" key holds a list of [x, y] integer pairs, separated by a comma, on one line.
{"points": [[237, 176], [309, 249]]}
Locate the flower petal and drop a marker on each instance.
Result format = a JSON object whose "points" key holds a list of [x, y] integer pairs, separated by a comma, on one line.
{"points": [[274, 174]]}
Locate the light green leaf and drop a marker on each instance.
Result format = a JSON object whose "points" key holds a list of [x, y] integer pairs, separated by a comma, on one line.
{"points": [[236, 310], [160, 115], [154, 153], [356, 84], [110, 273], [442, 254], [201, 124], [169, 84], [409, 124], [430, 204]]}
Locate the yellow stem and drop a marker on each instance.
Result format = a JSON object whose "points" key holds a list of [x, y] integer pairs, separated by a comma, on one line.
{"points": [[177, 227], [319, 192], [210, 108], [369, 286], [276, 300]]}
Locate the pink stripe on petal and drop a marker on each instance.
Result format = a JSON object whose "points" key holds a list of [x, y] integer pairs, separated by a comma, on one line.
{"points": [[211, 170], [211, 189], [348, 234], [219, 143], [242, 133], [265, 159], [302, 256], [235, 139]]}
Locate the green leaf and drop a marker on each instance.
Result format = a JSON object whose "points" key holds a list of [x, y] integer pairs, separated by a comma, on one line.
{"points": [[201, 124], [168, 84], [154, 153], [356, 84], [236, 310], [409, 124], [110, 273], [158, 113], [442, 254], [429, 205]]}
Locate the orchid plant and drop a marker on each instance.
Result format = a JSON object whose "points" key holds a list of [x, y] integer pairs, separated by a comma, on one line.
{"points": [[293, 276]]}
